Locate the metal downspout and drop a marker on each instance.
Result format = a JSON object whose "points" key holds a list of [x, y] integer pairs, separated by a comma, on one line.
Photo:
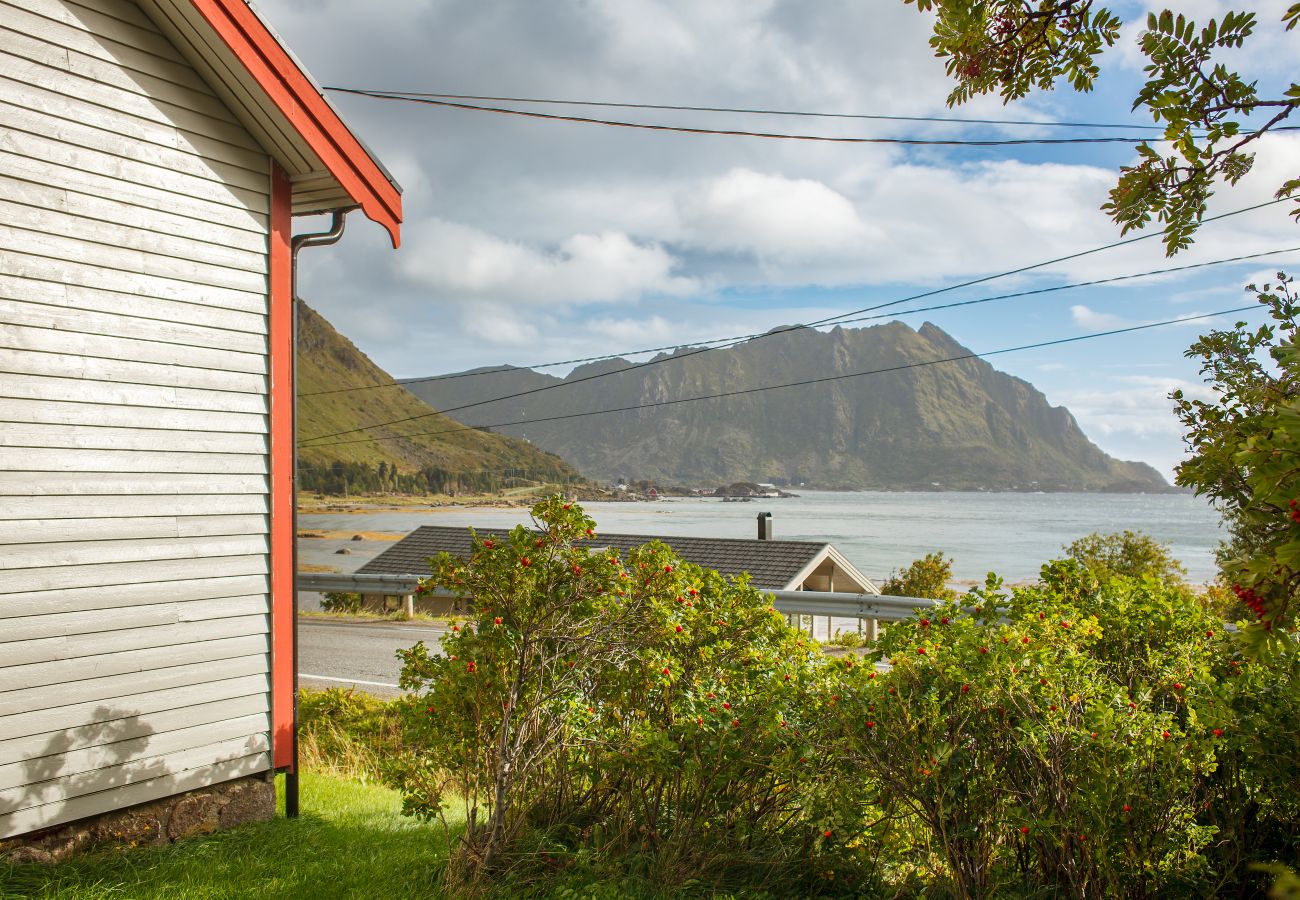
{"points": [[320, 239]]}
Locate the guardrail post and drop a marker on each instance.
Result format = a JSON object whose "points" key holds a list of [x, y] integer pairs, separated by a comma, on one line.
{"points": [[408, 606]]}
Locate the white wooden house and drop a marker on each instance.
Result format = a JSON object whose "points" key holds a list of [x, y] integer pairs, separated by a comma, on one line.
{"points": [[152, 155]]}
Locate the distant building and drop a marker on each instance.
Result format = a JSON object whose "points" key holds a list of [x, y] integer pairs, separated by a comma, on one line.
{"points": [[772, 565], [153, 156]]}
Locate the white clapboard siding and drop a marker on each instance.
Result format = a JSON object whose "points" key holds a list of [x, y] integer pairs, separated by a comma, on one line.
{"points": [[153, 661], [126, 260], [65, 365], [33, 531], [26, 628], [137, 195], [235, 663], [77, 762], [29, 434], [92, 717], [121, 766], [38, 650], [83, 390], [15, 559], [134, 487], [116, 795], [114, 507], [88, 206], [37, 217], [22, 484], [138, 724], [51, 337], [159, 144], [41, 459], [143, 417]]}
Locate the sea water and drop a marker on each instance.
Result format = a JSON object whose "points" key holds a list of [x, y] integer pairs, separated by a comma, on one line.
{"points": [[1011, 534]]}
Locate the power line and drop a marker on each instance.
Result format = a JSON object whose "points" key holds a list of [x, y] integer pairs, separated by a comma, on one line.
{"points": [[825, 321], [402, 383], [956, 120], [730, 132], [809, 381]]}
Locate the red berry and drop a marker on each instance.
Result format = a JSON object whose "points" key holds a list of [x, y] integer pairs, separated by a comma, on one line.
{"points": [[590, 533], [488, 543], [871, 724], [1065, 624], [726, 706], [525, 562], [826, 834], [1052, 707], [1218, 732], [1210, 633], [871, 674], [920, 651], [1025, 639], [496, 621], [984, 649], [925, 623], [1024, 829], [699, 720], [665, 670], [668, 568], [1127, 808], [679, 629], [1166, 735], [965, 688], [735, 723], [944, 621]]}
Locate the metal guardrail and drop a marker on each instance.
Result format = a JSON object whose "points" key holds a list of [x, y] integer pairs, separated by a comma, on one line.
{"points": [[877, 607]]}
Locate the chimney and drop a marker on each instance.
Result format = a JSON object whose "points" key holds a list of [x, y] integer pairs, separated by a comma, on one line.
{"points": [[765, 526]]}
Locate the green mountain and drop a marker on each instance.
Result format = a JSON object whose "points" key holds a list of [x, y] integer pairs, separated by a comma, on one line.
{"points": [[462, 460], [955, 426]]}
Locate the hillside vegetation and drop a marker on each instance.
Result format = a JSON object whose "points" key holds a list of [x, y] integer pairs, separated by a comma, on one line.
{"points": [[455, 461]]}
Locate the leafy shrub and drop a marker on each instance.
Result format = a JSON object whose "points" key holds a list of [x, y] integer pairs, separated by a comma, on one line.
{"points": [[1131, 554], [925, 577], [1079, 737], [341, 602], [640, 706]]}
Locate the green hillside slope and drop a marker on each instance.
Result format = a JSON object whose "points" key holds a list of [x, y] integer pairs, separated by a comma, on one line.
{"points": [[460, 460]]}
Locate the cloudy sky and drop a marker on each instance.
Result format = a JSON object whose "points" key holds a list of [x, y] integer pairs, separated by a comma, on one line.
{"points": [[529, 242]]}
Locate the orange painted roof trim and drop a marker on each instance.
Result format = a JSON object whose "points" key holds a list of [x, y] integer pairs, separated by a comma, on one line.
{"points": [[294, 94]]}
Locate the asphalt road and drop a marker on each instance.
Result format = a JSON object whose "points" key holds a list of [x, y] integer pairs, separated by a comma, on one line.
{"points": [[359, 654]]}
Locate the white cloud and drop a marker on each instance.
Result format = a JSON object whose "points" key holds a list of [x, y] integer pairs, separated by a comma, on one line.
{"points": [[1092, 320], [468, 264], [776, 219]]}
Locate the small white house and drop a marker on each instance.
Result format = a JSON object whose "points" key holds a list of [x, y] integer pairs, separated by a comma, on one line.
{"points": [[152, 155]]}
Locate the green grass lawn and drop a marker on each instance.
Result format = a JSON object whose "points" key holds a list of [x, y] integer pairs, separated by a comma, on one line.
{"points": [[350, 841]]}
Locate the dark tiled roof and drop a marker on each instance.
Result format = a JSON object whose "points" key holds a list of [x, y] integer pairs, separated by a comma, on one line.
{"points": [[772, 565]]}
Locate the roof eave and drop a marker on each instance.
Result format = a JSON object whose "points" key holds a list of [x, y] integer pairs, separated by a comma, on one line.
{"points": [[280, 104]]}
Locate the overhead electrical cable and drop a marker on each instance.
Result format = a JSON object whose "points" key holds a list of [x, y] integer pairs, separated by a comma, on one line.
{"points": [[433, 99], [954, 120], [403, 382], [808, 381], [826, 321], [732, 132]]}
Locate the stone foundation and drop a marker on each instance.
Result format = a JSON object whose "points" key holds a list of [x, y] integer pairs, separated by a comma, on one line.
{"points": [[163, 821]]}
